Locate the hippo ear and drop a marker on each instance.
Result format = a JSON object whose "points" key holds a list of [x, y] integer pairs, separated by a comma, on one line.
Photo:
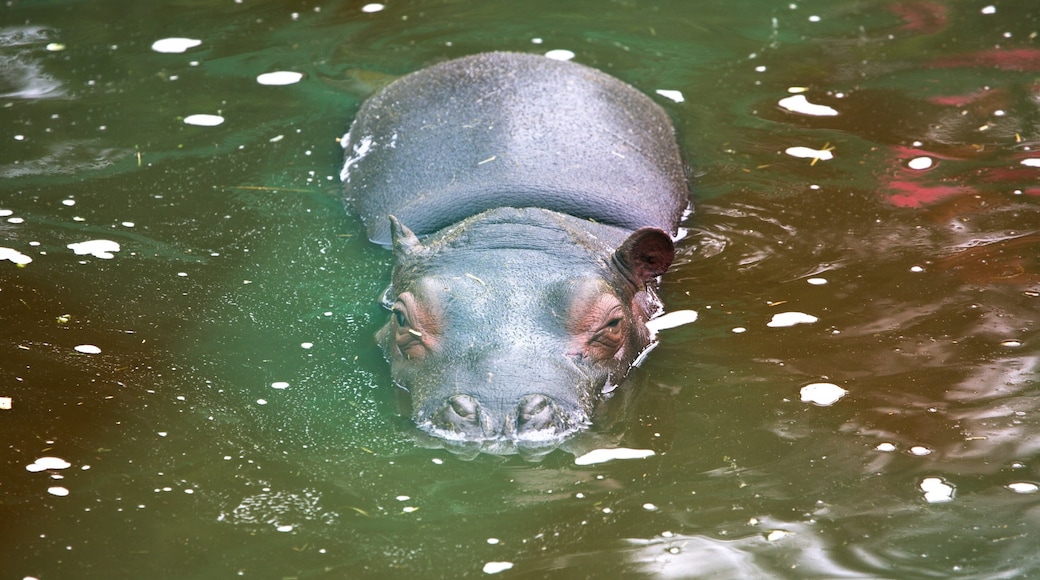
{"points": [[646, 254], [405, 243]]}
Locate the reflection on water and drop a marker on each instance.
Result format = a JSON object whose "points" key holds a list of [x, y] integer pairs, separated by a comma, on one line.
{"points": [[196, 392]]}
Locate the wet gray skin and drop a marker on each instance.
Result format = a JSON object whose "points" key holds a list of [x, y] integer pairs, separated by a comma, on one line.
{"points": [[545, 194]]}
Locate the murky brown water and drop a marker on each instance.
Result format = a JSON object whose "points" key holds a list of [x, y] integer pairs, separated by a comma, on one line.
{"points": [[238, 420]]}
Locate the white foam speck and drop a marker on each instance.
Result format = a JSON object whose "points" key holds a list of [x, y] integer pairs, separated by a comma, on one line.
{"points": [[402, 498], [817, 281], [823, 394], [1031, 162], [58, 491], [919, 450], [261, 402], [790, 319], [279, 78], [306, 344], [285, 528], [604, 455], [68, 202], [775, 535], [1023, 487], [361, 148], [14, 256], [370, 8], [671, 320], [809, 153], [920, 163], [800, 104], [175, 45], [280, 385], [203, 120], [991, 9], [127, 224], [496, 567], [936, 490], [44, 463], [676, 96], [739, 330], [1011, 343], [98, 248], [87, 349], [650, 507], [560, 54]]}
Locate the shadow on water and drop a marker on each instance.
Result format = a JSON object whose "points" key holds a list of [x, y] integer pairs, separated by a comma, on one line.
{"points": [[239, 420]]}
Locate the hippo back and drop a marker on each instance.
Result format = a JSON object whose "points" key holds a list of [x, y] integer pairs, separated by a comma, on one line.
{"points": [[512, 130]]}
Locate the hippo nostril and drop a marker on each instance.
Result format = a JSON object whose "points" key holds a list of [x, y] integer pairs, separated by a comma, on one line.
{"points": [[464, 406], [536, 412], [459, 414]]}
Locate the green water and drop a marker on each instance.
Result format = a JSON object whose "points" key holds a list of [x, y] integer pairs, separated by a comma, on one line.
{"points": [[239, 270]]}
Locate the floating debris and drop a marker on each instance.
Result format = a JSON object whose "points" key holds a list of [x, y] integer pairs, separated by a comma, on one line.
{"points": [[790, 319], [936, 490], [676, 96], [98, 248], [87, 349], [372, 8], [920, 163], [14, 256], [279, 78], [58, 491], [560, 54], [822, 394], [671, 320], [203, 120], [799, 104], [809, 153], [175, 45], [45, 463], [604, 455], [496, 567], [1023, 487]]}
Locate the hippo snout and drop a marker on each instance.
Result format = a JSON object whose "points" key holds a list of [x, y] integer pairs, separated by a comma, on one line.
{"points": [[535, 421]]}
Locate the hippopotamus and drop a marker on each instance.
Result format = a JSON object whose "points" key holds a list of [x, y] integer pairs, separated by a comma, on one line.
{"points": [[531, 205]]}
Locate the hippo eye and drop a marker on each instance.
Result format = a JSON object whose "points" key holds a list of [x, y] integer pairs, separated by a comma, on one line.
{"points": [[400, 318], [610, 334]]}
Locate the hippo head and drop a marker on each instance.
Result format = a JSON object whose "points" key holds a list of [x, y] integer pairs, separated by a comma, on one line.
{"points": [[507, 327]]}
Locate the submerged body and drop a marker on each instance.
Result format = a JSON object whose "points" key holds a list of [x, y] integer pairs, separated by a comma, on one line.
{"points": [[546, 193]]}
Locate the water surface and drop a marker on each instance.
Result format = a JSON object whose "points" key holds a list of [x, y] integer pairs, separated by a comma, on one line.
{"points": [[217, 408]]}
